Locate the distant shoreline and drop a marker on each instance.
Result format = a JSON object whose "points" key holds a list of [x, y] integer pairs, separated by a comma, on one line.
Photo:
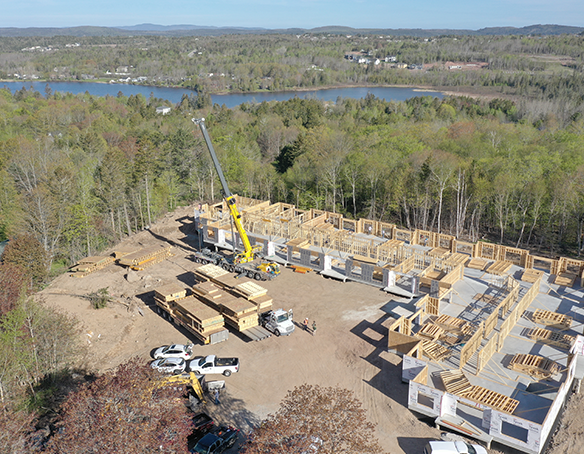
{"points": [[471, 92]]}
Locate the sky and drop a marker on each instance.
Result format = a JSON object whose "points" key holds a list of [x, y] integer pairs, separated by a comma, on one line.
{"points": [[427, 14]]}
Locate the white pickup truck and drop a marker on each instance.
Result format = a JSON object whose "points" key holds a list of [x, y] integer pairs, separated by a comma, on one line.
{"points": [[203, 365]]}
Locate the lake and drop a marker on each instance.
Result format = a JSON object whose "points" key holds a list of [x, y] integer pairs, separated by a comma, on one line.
{"points": [[230, 100]]}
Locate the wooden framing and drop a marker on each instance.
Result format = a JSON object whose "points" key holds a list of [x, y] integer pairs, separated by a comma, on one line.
{"points": [[453, 324], [499, 267], [546, 336], [534, 365], [434, 350], [552, 319], [430, 331], [472, 345]]}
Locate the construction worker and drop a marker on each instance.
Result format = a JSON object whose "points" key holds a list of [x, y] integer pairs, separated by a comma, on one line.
{"points": [[305, 324], [314, 327]]}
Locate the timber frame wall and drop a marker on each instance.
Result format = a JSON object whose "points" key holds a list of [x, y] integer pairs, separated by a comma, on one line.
{"points": [[331, 231]]}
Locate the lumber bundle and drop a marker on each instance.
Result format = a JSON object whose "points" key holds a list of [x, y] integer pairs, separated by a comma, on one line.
{"points": [[125, 250], [534, 365], [456, 259], [546, 336], [477, 264], [197, 315], [91, 264], [455, 382], [239, 313], [146, 257], [455, 325], [170, 292], [552, 319], [565, 279], [250, 290], [300, 269], [210, 271], [263, 303], [434, 350], [499, 267], [530, 275]]}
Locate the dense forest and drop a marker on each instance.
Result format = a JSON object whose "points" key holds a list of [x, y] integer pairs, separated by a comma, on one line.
{"points": [[78, 172]]}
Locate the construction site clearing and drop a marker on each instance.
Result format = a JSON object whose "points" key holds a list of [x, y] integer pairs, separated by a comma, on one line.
{"points": [[490, 336]]}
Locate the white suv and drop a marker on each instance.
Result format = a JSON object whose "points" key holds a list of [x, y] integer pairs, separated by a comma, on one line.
{"points": [[453, 447]]}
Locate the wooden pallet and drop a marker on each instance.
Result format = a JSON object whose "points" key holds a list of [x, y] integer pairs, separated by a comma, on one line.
{"points": [[565, 279], [430, 331], [453, 324], [477, 264], [546, 336], [531, 275], [434, 350], [499, 267], [534, 365], [552, 319]]}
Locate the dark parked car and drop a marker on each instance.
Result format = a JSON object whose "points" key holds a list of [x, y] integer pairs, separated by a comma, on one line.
{"points": [[216, 441]]}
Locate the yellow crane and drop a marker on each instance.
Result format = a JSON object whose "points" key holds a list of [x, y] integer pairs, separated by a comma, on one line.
{"points": [[249, 252]]}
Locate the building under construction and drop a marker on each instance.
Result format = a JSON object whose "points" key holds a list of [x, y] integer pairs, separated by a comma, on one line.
{"points": [[491, 336]]}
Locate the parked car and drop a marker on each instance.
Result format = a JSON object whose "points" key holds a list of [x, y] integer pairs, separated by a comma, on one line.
{"points": [[202, 425], [174, 350], [216, 441], [453, 447], [169, 365], [202, 365]]}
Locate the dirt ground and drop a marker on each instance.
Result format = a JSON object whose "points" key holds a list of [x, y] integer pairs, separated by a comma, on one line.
{"points": [[348, 349]]}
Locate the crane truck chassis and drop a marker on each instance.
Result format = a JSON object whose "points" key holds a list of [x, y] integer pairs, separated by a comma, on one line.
{"points": [[262, 272]]}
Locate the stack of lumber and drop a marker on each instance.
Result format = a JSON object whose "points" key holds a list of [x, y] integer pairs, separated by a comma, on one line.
{"points": [[169, 292], [552, 338], [565, 279], [146, 257], [477, 264], [455, 382], [256, 294], [430, 331], [499, 267], [434, 350], [530, 275], [534, 365], [300, 269], [552, 319], [198, 315], [90, 264], [125, 250], [210, 272], [455, 325], [438, 252], [237, 310], [456, 259]]}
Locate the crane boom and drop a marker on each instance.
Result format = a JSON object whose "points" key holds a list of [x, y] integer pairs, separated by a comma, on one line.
{"points": [[249, 252]]}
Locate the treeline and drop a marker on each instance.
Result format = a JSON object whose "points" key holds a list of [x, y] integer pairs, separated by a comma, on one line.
{"points": [[544, 68], [78, 173]]}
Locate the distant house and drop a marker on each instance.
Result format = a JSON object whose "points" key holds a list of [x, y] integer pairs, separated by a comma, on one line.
{"points": [[163, 110]]}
